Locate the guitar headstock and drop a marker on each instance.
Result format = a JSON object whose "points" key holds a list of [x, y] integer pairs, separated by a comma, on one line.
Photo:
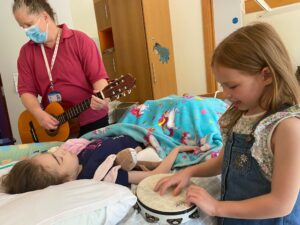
{"points": [[119, 87]]}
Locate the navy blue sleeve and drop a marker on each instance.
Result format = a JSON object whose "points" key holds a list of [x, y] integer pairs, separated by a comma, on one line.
{"points": [[97, 151], [122, 178]]}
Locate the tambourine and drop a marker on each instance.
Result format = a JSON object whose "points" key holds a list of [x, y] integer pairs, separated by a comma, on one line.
{"points": [[165, 209]]}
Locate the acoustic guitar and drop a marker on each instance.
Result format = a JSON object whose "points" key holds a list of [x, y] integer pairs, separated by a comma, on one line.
{"points": [[31, 131]]}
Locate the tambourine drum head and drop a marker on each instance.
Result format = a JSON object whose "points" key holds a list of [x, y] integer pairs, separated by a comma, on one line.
{"points": [[166, 209]]}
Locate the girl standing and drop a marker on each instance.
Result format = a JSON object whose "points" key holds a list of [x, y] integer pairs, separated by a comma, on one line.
{"points": [[260, 161]]}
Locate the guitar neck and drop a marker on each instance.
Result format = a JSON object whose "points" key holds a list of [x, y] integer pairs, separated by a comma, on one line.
{"points": [[115, 89], [77, 109]]}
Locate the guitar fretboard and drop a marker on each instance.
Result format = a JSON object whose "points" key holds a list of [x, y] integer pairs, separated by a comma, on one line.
{"points": [[76, 110], [115, 89]]}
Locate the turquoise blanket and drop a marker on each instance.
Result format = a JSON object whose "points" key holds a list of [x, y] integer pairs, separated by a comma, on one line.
{"points": [[173, 121]]}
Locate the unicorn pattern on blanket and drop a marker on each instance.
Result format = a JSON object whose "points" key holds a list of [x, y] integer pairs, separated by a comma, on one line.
{"points": [[186, 139], [138, 110], [167, 121]]}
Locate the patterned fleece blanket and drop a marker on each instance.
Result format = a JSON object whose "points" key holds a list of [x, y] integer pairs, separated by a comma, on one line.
{"points": [[172, 121]]}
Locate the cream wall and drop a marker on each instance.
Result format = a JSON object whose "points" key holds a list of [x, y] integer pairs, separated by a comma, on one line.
{"points": [[228, 17], [187, 31], [286, 20], [84, 18]]}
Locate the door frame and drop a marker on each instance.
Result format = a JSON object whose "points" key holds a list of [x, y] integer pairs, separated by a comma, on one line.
{"points": [[209, 43]]}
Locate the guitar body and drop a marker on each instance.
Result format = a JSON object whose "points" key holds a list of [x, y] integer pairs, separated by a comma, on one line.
{"points": [[31, 131]]}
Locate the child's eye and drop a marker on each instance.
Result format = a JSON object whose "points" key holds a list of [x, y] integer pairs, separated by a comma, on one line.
{"points": [[232, 87]]}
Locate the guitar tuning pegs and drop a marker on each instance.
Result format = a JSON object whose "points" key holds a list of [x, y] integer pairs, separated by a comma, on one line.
{"points": [[117, 96], [123, 94], [129, 91]]}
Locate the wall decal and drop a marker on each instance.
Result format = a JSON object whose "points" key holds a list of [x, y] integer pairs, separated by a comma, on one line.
{"points": [[235, 20], [164, 53]]}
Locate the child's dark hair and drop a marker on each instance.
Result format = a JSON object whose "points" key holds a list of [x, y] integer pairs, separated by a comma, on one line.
{"points": [[27, 175], [34, 7]]}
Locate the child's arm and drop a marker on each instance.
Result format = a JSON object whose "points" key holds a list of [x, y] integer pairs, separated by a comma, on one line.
{"points": [[285, 182], [181, 179], [134, 177]]}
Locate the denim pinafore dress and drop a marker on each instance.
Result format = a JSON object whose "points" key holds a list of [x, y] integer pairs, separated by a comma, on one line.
{"points": [[243, 179]]}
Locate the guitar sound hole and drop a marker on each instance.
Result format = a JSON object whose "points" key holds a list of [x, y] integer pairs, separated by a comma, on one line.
{"points": [[52, 132]]}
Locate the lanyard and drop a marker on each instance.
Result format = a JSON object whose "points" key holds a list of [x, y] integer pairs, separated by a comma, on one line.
{"points": [[53, 59]]}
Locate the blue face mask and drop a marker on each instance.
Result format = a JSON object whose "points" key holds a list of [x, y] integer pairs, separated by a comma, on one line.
{"points": [[35, 34]]}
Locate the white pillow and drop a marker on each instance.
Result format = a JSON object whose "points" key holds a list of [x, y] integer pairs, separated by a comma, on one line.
{"points": [[68, 202]]}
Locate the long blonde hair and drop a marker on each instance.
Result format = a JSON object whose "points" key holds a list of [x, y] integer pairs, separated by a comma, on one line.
{"points": [[252, 48]]}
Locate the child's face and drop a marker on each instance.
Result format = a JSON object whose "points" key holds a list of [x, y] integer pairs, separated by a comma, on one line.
{"points": [[242, 89], [61, 162]]}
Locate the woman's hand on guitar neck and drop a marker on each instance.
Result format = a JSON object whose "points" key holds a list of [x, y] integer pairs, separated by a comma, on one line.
{"points": [[46, 121], [98, 103]]}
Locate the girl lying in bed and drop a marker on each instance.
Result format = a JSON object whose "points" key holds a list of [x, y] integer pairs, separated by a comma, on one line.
{"points": [[63, 165]]}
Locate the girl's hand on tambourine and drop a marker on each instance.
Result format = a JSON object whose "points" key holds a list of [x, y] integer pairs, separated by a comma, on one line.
{"points": [[178, 181], [202, 199]]}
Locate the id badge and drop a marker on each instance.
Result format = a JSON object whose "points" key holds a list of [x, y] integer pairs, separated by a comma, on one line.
{"points": [[54, 96]]}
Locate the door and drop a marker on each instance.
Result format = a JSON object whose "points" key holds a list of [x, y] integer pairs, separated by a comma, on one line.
{"points": [[160, 47], [130, 45], [102, 14], [110, 64]]}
